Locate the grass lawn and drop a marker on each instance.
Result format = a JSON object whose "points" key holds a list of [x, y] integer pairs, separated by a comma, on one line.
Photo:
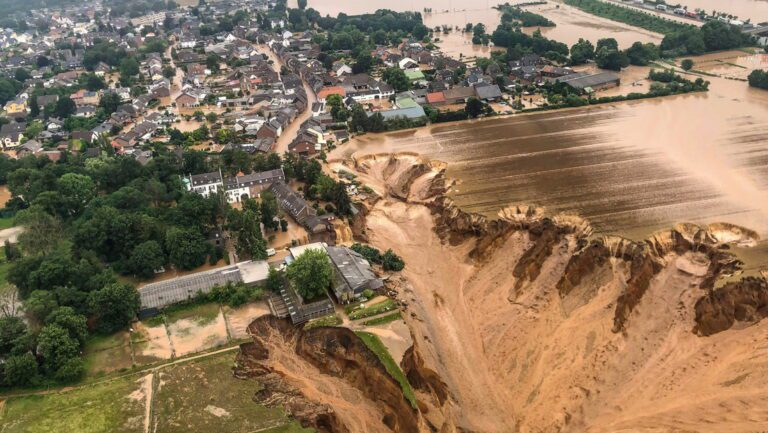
{"points": [[330, 320], [105, 354], [6, 223], [95, 409], [373, 310], [383, 319], [203, 396], [201, 314], [374, 343]]}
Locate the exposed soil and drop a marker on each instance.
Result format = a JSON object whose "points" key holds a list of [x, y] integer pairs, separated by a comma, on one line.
{"points": [[326, 378], [530, 324]]}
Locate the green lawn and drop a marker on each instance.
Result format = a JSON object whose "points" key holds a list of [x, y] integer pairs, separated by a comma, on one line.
{"points": [[383, 319], [374, 343], [95, 409], [373, 310], [203, 396], [6, 223], [105, 354], [330, 320]]}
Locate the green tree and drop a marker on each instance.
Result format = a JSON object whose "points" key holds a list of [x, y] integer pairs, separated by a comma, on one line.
{"points": [[64, 107], [268, 210], [582, 51], [42, 231], [245, 225], [687, 64], [13, 331], [420, 31], [187, 248], [641, 54], [363, 63], [40, 304], [391, 261], [607, 58], [275, 280], [396, 78], [146, 258], [129, 67], [311, 274], [76, 191], [56, 347], [74, 323], [109, 102], [474, 107], [359, 121], [114, 306], [758, 78], [20, 370]]}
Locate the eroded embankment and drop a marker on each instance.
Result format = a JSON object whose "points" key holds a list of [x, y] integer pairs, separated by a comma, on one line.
{"points": [[533, 324], [325, 377]]}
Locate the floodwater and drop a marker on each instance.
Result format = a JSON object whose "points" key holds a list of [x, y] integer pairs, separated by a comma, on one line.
{"points": [[572, 23], [629, 168], [756, 10]]}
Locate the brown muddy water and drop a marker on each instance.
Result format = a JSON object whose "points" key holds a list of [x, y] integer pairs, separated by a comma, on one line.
{"points": [[757, 10], [572, 23], [629, 168]]}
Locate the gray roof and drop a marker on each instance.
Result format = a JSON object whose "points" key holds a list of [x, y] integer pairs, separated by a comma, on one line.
{"points": [[354, 270], [164, 293], [410, 113], [206, 178], [488, 91], [590, 80]]}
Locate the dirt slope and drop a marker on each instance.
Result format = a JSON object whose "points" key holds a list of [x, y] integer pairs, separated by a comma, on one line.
{"points": [[532, 328]]}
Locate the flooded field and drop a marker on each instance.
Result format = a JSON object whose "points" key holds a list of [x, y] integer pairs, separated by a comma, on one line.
{"points": [[630, 168], [572, 23], [757, 10]]}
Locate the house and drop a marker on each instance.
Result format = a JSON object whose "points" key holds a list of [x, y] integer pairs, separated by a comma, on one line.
{"points": [[101, 69], [299, 209], [340, 68], [16, 107], [363, 88], [44, 100], [323, 94], [31, 147], [11, 134], [234, 188], [352, 274], [407, 63], [436, 99], [85, 111], [488, 92], [458, 94]]}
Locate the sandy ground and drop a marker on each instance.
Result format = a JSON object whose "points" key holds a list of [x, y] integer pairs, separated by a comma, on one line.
{"points": [[150, 343], [526, 360], [190, 336], [239, 318], [395, 335], [10, 234], [356, 412]]}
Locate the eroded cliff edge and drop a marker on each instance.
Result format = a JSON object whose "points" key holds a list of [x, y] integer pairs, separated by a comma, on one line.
{"points": [[532, 323]]}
